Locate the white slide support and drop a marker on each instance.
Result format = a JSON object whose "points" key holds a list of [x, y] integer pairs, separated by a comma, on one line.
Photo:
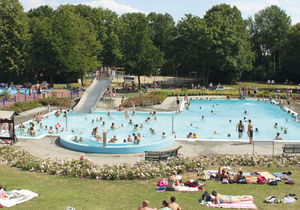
{"points": [[91, 96]]}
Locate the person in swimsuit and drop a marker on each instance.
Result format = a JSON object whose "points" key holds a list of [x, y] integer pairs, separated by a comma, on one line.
{"points": [[240, 127], [220, 199], [250, 132]]}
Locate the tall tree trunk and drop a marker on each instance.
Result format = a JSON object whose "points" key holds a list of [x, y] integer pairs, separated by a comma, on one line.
{"points": [[139, 81], [206, 76], [81, 80]]}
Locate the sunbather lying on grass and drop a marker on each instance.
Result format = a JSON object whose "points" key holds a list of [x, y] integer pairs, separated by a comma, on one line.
{"points": [[219, 198]]}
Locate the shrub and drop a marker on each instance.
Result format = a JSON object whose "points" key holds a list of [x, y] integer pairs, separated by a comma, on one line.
{"points": [[24, 106], [85, 168]]}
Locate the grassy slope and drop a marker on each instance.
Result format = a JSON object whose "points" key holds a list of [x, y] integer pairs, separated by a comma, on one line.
{"points": [[59, 192]]}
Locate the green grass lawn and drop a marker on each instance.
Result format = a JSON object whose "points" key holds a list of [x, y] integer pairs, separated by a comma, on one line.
{"points": [[57, 192]]}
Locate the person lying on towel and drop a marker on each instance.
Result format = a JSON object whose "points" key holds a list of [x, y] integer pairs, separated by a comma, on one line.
{"points": [[220, 199]]}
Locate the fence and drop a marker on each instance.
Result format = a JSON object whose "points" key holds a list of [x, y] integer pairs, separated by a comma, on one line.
{"points": [[58, 94], [233, 147]]}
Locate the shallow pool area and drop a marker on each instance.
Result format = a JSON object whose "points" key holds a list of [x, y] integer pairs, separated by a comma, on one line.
{"points": [[219, 121], [13, 91]]}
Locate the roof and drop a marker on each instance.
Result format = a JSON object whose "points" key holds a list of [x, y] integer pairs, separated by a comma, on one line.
{"points": [[6, 114]]}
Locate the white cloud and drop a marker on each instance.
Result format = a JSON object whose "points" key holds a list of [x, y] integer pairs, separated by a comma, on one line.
{"points": [[114, 6]]}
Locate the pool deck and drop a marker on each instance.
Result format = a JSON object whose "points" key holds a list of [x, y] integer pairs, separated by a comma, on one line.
{"points": [[50, 146]]}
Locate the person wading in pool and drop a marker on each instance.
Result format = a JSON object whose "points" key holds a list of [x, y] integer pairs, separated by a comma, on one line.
{"points": [[240, 127], [250, 131]]}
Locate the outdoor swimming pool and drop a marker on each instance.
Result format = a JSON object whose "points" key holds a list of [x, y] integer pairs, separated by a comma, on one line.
{"points": [[215, 125], [14, 91]]}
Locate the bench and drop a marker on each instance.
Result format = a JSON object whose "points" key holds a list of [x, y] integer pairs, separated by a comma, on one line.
{"points": [[161, 155], [291, 149]]}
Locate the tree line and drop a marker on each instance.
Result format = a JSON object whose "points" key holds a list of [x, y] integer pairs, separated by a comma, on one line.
{"points": [[62, 45]]}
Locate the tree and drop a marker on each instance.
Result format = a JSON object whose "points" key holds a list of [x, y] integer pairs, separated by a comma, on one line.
{"points": [[229, 44], [141, 57], [291, 55], [191, 49], [163, 34], [268, 33], [13, 40], [42, 56]]}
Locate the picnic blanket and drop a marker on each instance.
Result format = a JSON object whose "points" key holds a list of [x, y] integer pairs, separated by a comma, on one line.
{"points": [[17, 196], [266, 174], [181, 189], [240, 205]]}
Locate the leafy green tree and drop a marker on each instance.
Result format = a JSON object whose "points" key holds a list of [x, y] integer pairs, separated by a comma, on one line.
{"points": [[268, 33], [106, 25], [163, 35], [291, 55], [74, 40], [191, 47], [229, 44], [141, 57], [40, 62], [14, 38]]}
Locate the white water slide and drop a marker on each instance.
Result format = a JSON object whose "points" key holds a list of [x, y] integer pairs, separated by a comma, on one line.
{"points": [[91, 96]]}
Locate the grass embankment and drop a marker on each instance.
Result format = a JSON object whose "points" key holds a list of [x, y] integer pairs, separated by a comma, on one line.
{"points": [[156, 97], [24, 106], [56, 192]]}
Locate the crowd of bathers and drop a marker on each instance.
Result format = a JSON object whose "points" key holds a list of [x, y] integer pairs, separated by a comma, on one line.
{"points": [[135, 137]]}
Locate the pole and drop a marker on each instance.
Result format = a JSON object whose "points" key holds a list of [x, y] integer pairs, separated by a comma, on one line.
{"points": [[172, 124], [104, 138], [273, 148], [110, 90], [66, 120], [253, 147]]}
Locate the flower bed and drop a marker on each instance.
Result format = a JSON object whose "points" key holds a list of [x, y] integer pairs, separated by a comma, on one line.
{"points": [[85, 168]]}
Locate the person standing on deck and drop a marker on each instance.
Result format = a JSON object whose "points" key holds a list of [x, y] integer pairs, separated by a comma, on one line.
{"points": [[250, 131]]}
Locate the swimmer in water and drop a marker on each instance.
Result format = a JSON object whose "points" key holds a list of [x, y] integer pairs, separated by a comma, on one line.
{"points": [[202, 117], [275, 125], [130, 122], [230, 121], [217, 133], [228, 135], [152, 131], [285, 131], [103, 123], [108, 113], [245, 112], [256, 130]]}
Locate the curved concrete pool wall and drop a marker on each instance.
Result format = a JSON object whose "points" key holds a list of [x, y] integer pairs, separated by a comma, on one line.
{"points": [[126, 148]]}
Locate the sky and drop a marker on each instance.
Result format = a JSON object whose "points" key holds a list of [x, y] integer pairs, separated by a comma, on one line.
{"points": [[177, 8]]}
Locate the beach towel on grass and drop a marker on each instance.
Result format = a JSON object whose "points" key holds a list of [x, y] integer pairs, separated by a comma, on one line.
{"points": [[240, 205], [282, 176], [17, 197], [183, 189]]}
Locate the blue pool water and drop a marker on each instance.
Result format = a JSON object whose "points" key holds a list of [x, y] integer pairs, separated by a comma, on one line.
{"points": [[215, 124], [14, 91]]}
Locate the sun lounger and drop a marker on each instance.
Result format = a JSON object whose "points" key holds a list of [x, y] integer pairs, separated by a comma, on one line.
{"points": [[240, 205], [269, 81]]}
